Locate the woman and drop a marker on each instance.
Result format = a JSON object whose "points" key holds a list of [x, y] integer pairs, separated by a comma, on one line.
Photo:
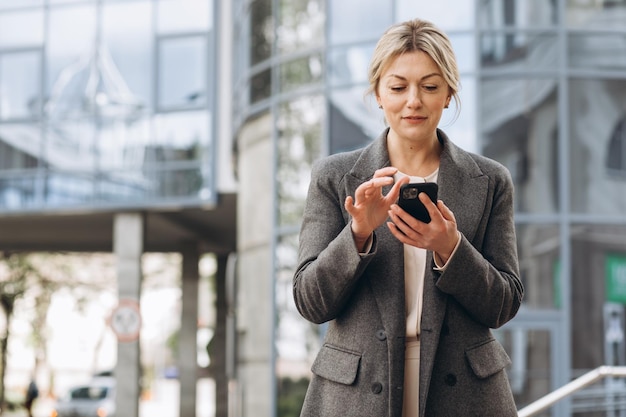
{"points": [[410, 305]]}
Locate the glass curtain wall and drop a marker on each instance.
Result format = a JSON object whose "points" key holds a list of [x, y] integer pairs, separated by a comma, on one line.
{"points": [[106, 103], [543, 92]]}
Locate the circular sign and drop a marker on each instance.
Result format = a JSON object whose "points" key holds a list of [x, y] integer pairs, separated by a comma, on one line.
{"points": [[125, 320]]}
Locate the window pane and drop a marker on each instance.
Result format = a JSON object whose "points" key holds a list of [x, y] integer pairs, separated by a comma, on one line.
{"points": [[461, 126], [176, 16], [301, 25], [358, 20], [260, 86], [182, 72], [297, 341], [301, 72], [596, 14], [596, 115], [465, 50], [598, 271], [69, 50], [446, 14], [348, 65], [20, 81], [519, 51], [21, 29], [127, 34], [538, 247], [300, 124], [261, 31], [353, 121], [179, 137], [598, 51], [518, 13], [18, 190], [520, 129], [15, 4]]}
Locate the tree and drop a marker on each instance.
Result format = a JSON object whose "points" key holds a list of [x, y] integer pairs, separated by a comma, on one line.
{"points": [[15, 274]]}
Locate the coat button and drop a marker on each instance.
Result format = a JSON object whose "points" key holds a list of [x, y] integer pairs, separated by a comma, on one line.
{"points": [[381, 335], [450, 380], [377, 387]]}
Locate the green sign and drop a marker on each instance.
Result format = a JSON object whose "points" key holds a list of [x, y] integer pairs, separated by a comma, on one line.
{"points": [[615, 273]]}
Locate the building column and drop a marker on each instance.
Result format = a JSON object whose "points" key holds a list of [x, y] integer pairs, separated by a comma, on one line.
{"points": [[187, 341], [128, 238]]}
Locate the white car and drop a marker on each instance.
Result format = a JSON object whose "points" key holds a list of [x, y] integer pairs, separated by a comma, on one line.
{"points": [[95, 399]]}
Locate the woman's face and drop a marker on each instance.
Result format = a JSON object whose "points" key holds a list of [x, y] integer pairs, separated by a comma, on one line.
{"points": [[413, 94]]}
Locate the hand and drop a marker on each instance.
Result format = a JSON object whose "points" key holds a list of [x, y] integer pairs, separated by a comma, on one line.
{"points": [[440, 235], [369, 207]]}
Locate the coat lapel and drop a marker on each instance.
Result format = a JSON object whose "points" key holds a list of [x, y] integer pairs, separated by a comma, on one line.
{"points": [[464, 189]]}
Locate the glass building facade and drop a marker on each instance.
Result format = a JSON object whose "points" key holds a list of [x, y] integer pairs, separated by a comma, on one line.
{"points": [[106, 103], [113, 104], [543, 92]]}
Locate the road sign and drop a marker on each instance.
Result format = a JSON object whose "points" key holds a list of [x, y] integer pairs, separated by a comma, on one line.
{"points": [[125, 320]]}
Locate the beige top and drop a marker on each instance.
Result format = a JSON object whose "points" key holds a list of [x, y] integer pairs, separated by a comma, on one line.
{"points": [[414, 270]]}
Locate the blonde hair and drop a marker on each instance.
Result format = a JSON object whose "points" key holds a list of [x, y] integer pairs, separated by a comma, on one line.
{"points": [[415, 35]]}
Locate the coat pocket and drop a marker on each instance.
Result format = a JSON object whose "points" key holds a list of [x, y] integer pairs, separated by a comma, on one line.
{"points": [[487, 358], [337, 365]]}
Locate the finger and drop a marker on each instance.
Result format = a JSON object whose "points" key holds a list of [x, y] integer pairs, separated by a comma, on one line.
{"points": [[433, 211], [385, 172], [445, 211], [403, 221]]}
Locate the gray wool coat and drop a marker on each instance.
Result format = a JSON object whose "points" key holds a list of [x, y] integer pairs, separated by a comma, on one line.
{"points": [[359, 370]]}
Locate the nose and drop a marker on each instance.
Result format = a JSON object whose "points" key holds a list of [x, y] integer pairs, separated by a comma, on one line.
{"points": [[414, 99]]}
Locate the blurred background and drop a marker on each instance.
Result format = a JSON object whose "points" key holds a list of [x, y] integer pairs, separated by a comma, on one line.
{"points": [[154, 161]]}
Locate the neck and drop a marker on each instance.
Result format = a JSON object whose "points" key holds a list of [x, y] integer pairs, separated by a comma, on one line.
{"points": [[414, 158]]}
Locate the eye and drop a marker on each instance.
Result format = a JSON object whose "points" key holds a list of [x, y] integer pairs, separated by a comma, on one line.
{"points": [[431, 88], [397, 88]]}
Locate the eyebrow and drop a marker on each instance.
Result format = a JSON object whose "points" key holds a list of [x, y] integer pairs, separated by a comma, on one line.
{"points": [[423, 78]]}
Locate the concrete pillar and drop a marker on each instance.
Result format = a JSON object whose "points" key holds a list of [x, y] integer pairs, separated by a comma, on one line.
{"points": [[255, 284], [187, 341], [128, 237]]}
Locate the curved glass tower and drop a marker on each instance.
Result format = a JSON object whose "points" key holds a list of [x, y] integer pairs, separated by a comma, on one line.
{"points": [[543, 92]]}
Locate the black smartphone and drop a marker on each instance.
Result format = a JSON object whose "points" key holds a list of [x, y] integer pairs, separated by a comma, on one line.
{"points": [[411, 203]]}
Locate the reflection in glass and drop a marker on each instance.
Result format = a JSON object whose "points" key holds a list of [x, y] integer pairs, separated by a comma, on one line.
{"points": [[358, 20], [446, 14], [260, 86], [596, 14], [21, 28], [598, 51], [70, 40], [596, 112], [598, 274], [184, 15], [353, 120], [20, 81], [261, 31], [297, 340], [464, 47], [531, 351], [520, 130], [539, 248], [519, 51], [299, 144], [127, 34], [300, 25], [518, 13], [182, 72], [301, 72], [348, 65]]}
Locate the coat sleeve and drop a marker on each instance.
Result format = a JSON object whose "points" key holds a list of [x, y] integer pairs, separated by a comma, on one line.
{"points": [[329, 265], [485, 280]]}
